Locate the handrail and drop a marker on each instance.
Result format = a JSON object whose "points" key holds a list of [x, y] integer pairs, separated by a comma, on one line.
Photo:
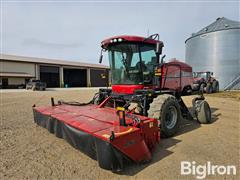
{"points": [[233, 83]]}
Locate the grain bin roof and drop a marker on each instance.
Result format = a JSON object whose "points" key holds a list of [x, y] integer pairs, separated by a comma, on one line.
{"points": [[221, 23], [49, 61]]}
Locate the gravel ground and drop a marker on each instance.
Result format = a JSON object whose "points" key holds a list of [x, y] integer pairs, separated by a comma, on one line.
{"points": [[31, 152]]}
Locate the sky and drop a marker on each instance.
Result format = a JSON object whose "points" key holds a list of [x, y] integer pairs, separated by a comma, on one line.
{"points": [[73, 30]]}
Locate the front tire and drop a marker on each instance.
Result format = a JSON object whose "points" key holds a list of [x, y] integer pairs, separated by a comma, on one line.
{"points": [[203, 112], [166, 109], [96, 99]]}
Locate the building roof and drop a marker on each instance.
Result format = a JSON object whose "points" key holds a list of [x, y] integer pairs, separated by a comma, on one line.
{"points": [[221, 23], [49, 61]]}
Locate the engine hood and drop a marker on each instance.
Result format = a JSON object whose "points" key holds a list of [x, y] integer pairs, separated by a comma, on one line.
{"points": [[197, 79]]}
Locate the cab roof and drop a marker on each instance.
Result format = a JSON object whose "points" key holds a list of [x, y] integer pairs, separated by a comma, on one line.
{"points": [[183, 65], [124, 38]]}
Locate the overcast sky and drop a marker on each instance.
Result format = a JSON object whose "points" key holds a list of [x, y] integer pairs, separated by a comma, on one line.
{"points": [[74, 30]]}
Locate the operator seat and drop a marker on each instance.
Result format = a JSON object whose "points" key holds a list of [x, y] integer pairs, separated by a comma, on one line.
{"points": [[152, 64], [138, 66]]}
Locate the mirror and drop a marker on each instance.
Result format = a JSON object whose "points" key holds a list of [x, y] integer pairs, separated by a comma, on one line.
{"points": [[101, 58]]}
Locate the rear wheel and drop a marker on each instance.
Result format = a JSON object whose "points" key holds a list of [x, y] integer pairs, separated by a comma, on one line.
{"points": [[215, 86], [165, 108]]}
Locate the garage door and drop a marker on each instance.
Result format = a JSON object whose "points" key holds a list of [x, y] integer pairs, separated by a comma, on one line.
{"points": [[50, 75], [99, 77], [75, 77]]}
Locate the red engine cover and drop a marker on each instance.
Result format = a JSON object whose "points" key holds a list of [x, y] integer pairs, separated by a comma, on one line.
{"points": [[126, 89]]}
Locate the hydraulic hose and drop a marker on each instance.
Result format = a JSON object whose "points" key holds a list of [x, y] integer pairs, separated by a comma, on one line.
{"points": [[75, 103]]}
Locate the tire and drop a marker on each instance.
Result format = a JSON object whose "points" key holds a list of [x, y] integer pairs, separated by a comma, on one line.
{"points": [[96, 99], [215, 86], [209, 88], [166, 109], [34, 88], [204, 113]]}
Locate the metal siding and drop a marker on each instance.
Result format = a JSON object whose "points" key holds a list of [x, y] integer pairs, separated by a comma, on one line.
{"points": [[216, 51], [16, 81], [18, 67], [12, 58]]}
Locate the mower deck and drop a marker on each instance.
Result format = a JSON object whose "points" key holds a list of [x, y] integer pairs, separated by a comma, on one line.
{"points": [[97, 132]]}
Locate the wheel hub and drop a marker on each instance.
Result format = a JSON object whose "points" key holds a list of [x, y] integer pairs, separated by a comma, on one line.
{"points": [[171, 117]]}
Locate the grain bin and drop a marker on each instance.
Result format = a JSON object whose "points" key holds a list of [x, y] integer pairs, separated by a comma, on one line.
{"points": [[216, 48]]}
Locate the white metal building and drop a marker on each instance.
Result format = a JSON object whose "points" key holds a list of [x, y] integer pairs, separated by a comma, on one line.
{"points": [[15, 72]]}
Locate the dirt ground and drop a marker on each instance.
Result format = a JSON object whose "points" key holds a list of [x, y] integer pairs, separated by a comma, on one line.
{"points": [[31, 152]]}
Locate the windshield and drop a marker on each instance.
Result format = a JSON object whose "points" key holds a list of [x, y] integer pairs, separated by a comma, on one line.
{"points": [[200, 75], [132, 63]]}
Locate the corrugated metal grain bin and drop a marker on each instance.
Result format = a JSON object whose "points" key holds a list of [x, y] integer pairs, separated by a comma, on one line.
{"points": [[216, 48]]}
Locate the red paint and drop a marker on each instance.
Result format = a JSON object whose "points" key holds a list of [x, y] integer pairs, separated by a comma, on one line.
{"points": [[176, 75], [135, 141], [126, 89], [183, 65], [197, 79], [106, 42]]}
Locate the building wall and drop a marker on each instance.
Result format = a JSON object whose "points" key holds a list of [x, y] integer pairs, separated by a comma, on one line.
{"points": [[34, 70], [18, 67], [16, 81]]}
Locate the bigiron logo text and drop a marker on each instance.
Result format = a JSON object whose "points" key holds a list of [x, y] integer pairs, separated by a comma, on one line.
{"points": [[201, 171]]}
